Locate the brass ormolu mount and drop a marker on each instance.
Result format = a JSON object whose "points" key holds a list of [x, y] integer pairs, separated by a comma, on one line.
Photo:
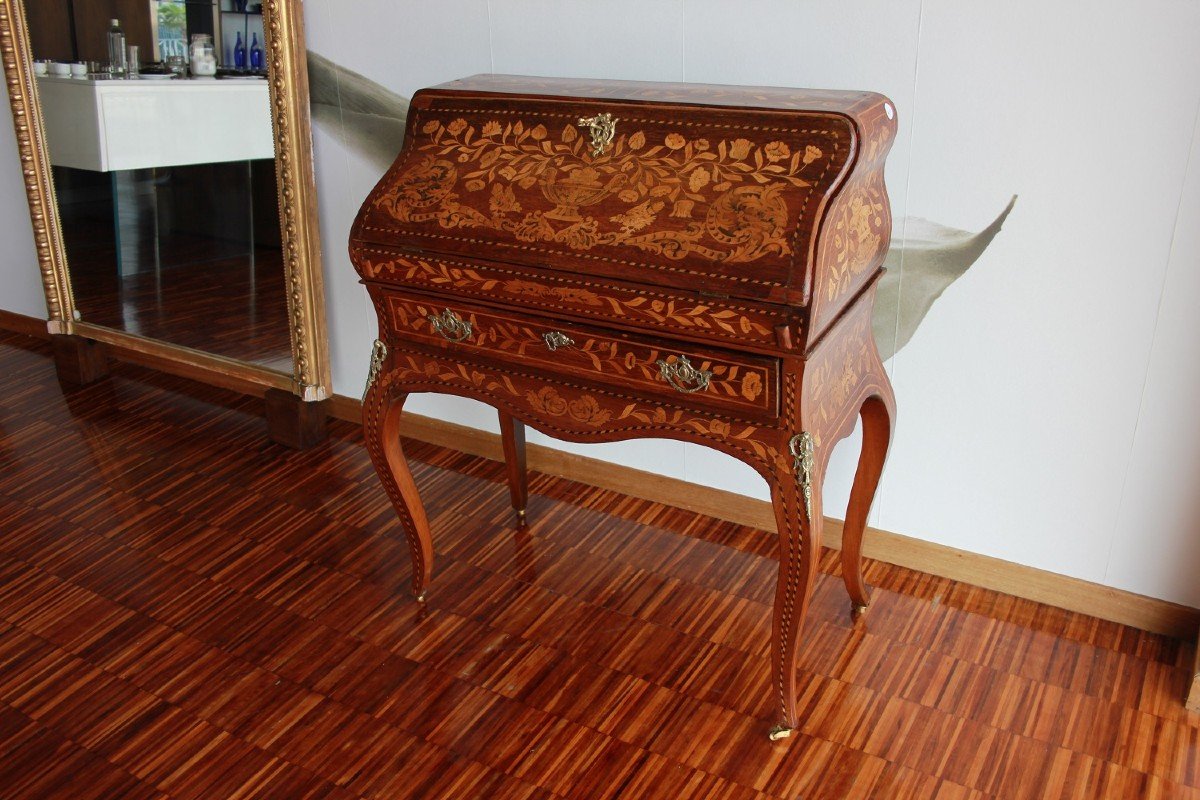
{"points": [[601, 128]]}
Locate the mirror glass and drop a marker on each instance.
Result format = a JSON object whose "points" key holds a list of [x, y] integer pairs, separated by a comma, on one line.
{"points": [[158, 129]]}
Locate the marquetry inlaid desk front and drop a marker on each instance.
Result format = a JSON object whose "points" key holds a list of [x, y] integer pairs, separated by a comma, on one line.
{"points": [[608, 260]]}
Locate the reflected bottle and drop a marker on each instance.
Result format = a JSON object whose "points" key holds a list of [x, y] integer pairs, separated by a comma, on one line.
{"points": [[239, 53], [256, 62], [116, 49]]}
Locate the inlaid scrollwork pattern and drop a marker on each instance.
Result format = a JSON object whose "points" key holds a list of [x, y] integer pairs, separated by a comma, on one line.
{"points": [[718, 318], [857, 242], [609, 414], [858, 229]]}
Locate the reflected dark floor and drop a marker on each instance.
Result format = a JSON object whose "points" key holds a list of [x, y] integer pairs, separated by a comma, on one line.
{"points": [[212, 294]]}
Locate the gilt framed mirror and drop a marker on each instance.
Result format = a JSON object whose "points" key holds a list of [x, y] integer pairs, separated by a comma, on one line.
{"points": [[174, 214]]}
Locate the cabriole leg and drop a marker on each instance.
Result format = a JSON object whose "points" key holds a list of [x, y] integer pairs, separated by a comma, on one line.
{"points": [[381, 427], [876, 436], [797, 504], [512, 434]]}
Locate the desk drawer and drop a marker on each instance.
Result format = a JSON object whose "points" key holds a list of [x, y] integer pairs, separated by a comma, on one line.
{"points": [[737, 382], [598, 301]]}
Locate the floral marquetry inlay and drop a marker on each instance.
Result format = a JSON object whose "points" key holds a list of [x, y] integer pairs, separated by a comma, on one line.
{"points": [[720, 199], [837, 374], [736, 379], [857, 239], [571, 409], [715, 318]]}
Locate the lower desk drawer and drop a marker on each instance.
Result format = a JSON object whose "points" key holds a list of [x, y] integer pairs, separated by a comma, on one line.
{"points": [[743, 383]]}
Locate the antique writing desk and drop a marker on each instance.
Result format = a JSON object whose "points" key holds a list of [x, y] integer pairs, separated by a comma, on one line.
{"points": [[607, 260]]}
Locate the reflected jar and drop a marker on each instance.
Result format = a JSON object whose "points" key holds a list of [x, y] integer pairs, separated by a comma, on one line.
{"points": [[178, 66], [203, 56]]}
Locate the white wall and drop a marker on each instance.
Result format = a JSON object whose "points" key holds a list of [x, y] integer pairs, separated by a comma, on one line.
{"points": [[1044, 402], [1158, 524], [20, 281], [1021, 393]]}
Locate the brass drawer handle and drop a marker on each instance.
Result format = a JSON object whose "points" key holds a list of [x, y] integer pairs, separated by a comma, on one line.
{"points": [[683, 376], [601, 129], [555, 340], [450, 325]]}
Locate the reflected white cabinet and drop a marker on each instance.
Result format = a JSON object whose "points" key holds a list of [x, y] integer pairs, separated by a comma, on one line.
{"points": [[117, 125]]}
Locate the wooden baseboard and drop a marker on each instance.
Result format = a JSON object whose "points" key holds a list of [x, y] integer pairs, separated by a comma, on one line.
{"points": [[20, 323], [1061, 591]]}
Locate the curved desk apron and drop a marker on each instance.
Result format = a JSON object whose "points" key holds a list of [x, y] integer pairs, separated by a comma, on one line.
{"points": [[607, 260]]}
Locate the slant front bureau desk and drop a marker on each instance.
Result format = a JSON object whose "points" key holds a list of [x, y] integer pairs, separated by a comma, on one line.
{"points": [[607, 260]]}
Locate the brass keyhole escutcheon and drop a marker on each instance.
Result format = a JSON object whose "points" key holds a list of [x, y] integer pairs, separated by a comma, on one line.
{"points": [[557, 339], [601, 129]]}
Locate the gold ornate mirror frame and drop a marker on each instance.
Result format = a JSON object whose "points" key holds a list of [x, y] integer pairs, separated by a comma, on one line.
{"points": [[283, 27]]}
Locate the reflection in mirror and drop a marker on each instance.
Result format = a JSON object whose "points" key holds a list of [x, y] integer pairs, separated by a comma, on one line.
{"points": [[170, 29], [158, 128]]}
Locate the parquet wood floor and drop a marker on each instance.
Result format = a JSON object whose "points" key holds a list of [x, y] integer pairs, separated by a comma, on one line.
{"points": [[190, 611]]}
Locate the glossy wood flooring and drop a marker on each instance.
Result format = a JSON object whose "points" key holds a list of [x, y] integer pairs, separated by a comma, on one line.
{"points": [[189, 611]]}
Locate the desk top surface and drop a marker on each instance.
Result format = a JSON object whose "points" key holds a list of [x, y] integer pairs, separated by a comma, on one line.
{"points": [[750, 97]]}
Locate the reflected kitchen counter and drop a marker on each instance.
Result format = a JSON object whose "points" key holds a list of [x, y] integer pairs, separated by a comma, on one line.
{"points": [[135, 124]]}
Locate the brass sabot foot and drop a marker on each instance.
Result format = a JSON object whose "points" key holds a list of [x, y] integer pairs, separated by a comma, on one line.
{"points": [[521, 517], [779, 732], [856, 611]]}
